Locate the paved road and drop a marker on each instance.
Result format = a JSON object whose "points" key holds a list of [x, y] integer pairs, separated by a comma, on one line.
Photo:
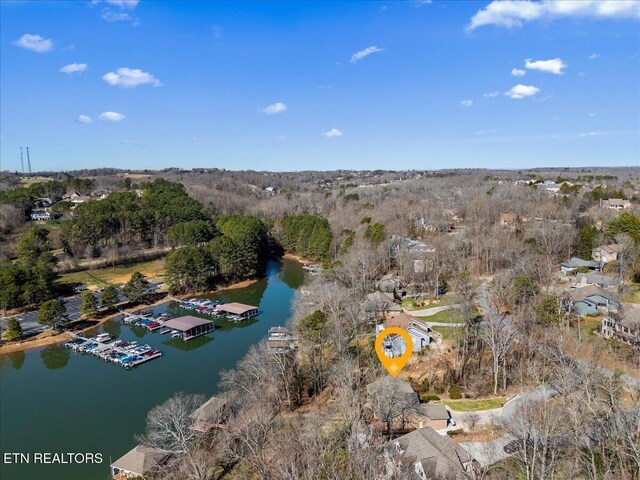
{"points": [[427, 312]]}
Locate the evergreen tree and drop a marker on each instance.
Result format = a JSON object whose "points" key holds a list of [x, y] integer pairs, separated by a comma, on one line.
{"points": [[14, 330], [109, 297], [51, 312], [89, 306], [137, 288]]}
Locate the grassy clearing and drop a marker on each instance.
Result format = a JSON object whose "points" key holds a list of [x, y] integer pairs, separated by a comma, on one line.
{"points": [[102, 277], [26, 181], [136, 176], [446, 316], [475, 405], [634, 295], [446, 332]]}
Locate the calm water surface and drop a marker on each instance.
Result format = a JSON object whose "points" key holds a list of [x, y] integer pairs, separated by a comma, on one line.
{"points": [[56, 400]]}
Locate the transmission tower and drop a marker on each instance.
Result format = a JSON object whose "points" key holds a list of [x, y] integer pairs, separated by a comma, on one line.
{"points": [[21, 160], [28, 161]]}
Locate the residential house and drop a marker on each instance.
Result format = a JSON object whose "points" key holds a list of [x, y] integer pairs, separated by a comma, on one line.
{"points": [[615, 204], [434, 456], [592, 299], [139, 462], [412, 250], [550, 186], [389, 283], [40, 214], [76, 199], [573, 265], [45, 202], [623, 325], [380, 306], [421, 333], [607, 282], [606, 253], [395, 400], [211, 414], [281, 340]]}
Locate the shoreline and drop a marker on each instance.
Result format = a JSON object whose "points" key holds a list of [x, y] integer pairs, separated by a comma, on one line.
{"points": [[64, 337]]}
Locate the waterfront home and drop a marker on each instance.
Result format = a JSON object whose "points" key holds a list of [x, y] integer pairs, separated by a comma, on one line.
{"points": [[189, 327], [40, 214], [211, 414], [139, 462], [623, 325], [573, 265], [421, 333], [606, 253], [281, 340], [433, 455], [615, 204], [591, 300], [607, 282], [241, 310], [379, 305]]}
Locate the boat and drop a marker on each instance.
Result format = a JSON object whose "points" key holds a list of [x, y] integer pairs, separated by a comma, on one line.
{"points": [[166, 330], [103, 337]]}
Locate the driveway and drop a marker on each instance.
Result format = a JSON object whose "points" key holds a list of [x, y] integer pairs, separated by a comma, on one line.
{"points": [[427, 312]]}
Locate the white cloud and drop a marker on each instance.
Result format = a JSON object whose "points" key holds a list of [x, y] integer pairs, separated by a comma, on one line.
{"points": [[73, 68], [487, 132], [85, 118], [422, 2], [111, 16], [594, 55], [356, 57], [35, 43], [274, 108], [521, 91], [111, 116], [516, 72], [592, 115], [554, 65], [333, 133], [130, 78], [123, 4], [466, 103], [514, 13], [592, 134], [491, 94]]}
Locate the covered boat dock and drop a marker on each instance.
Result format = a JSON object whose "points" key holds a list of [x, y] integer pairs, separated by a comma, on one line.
{"points": [[240, 310], [189, 327]]}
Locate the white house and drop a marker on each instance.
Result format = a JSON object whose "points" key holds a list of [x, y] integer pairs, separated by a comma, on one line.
{"points": [[606, 253]]}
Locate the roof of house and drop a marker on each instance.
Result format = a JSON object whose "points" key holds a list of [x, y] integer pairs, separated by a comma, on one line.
{"points": [[601, 279], [613, 248], [406, 321], [440, 456], [590, 290], [186, 323], [617, 201], [435, 411], [576, 262], [236, 308], [139, 460], [209, 410], [631, 316], [381, 301], [398, 385]]}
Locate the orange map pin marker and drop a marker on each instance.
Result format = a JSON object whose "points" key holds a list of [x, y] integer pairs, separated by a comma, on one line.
{"points": [[394, 365]]}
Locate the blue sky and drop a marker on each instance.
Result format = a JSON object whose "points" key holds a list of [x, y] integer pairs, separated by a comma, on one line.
{"points": [[295, 86]]}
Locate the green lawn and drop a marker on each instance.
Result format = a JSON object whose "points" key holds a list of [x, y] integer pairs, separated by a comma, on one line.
{"points": [[446, 332], [446, 316], [102, 277], [475, 405]]}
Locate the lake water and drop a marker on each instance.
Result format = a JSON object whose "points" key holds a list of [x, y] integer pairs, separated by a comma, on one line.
{"points": [[55, 400]]}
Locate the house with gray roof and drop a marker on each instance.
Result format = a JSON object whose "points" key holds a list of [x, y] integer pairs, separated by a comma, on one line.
{"points": [[607, 282], [623, 325], [434, 456], [592, 299], [573, 265], [138, 462]]}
